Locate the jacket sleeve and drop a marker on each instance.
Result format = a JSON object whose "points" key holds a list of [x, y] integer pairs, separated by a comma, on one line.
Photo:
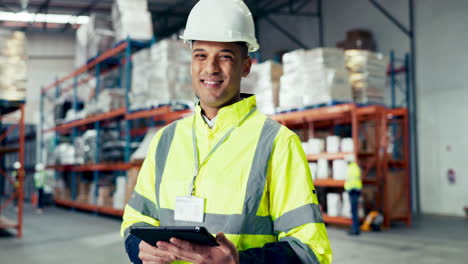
{"points": [[141, 209], [293, 204], [271, 253]]}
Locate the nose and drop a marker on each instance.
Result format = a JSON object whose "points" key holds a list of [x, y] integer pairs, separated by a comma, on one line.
{"points": [[212, 66]]}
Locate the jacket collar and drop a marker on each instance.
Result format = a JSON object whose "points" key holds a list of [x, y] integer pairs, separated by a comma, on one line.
{"points": [[230, 115]]}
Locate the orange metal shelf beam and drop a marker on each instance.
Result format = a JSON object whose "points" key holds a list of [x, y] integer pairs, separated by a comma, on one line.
{"points": [[173, 116], [397, 112], [89, 120], [316, 114], [103, 167], [337, 220], [89, 207], [329, 183], [148, 113], [328, 156], [90, 65], [93, 167], [338, 183]]}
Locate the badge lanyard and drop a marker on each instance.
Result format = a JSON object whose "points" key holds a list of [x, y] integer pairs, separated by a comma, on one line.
{"points": [[195, 150]]}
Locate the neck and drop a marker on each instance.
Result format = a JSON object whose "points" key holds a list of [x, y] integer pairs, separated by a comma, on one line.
{"points": [[212, 111]]}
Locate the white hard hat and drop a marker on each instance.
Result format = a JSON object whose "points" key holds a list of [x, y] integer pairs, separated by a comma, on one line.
{"points": [[221, 21], [39, 166], [17, 165]]}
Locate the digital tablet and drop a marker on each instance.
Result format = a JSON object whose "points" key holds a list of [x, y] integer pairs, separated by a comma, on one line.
{"points": [[153, 234]]}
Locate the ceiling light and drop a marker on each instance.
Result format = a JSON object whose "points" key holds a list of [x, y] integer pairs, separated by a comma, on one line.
{"points": [[42, 18]]}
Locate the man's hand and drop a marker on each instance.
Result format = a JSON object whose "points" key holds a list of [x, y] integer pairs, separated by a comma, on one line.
{"points": [[153, 255], [225, 253]]}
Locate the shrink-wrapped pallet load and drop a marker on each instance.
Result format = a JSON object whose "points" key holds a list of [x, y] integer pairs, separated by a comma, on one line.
{"points": [[264, 81], [313, 77]]}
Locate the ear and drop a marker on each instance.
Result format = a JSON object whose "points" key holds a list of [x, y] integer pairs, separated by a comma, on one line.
{"points": [[246, 66]]}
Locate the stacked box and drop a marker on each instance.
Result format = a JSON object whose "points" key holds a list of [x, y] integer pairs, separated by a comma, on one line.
{"points": [[131, 18], [367, 75], [83, 192], [110, 99], [264, 82], [131, 182], [119, 194], [105, 196], [164, 77], [313, 77], [12, 65], [92, 38]]}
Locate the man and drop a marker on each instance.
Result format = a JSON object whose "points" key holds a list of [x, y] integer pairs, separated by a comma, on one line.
{"points": [[353, 186], [244, 176], [40, 181]]}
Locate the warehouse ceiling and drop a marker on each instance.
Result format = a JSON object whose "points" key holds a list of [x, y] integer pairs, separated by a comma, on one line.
{"points": [[169, 16]]}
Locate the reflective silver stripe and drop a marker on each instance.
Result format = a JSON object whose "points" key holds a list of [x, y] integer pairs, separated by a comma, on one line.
{"points": [[127, 230], [258, 171], [162, 151], [309, 213], [229, 224], [305, 253], [143, 205]]}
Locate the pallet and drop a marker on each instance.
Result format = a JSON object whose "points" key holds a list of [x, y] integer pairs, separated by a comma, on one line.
{"points": [[7, 224], [332, 103]]}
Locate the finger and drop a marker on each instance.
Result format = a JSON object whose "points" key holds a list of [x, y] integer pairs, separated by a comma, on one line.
{"points": [[181, 249], [147, 249], [225, 243], [148, 258]]}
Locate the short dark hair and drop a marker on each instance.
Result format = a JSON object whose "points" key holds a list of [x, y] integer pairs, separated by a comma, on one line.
{"points": [[244, 49]]}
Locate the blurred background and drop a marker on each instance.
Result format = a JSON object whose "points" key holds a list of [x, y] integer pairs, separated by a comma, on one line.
{"points": [[86, 84]]}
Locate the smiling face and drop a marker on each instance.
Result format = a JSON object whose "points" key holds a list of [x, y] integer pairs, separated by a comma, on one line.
{"points": [[217, 69]]}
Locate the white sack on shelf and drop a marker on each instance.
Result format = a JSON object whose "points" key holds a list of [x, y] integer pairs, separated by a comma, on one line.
{"points": [[316, 145], [339, 169], [322, 169], [333, 144], [313, 169], [347, 145], [334, 204]]}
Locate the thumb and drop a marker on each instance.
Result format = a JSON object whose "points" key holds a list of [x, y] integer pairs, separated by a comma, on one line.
{"points": [[221, 238], [227, 246], [223, 241]]}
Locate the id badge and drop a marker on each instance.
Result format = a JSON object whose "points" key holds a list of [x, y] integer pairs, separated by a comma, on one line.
{"points": [[189, 208]]}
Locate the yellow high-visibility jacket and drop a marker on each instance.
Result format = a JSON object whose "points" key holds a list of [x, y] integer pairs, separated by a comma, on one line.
{"points": [[257, 185], [353, 177]]}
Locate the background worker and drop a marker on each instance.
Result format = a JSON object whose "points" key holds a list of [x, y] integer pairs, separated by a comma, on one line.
{"points": [[40, 181], [353, 186], [244, 176], [15, 176]]}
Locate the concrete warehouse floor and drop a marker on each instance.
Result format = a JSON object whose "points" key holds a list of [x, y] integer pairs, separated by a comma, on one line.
{"points": [[65, 236]]}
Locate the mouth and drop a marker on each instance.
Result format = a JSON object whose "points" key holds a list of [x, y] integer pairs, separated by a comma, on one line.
{"points": [[212, 83]]}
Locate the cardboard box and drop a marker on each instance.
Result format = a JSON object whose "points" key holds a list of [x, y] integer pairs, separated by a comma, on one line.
{"points": [[132, 175], [396, 193]]}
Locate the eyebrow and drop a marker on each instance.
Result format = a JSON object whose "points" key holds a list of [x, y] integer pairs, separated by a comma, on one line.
{"points": [[223, 50]]}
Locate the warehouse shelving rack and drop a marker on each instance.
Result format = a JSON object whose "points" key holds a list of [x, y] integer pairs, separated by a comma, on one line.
{"points": [[8, 107], [119, 56], [375, 163]]}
